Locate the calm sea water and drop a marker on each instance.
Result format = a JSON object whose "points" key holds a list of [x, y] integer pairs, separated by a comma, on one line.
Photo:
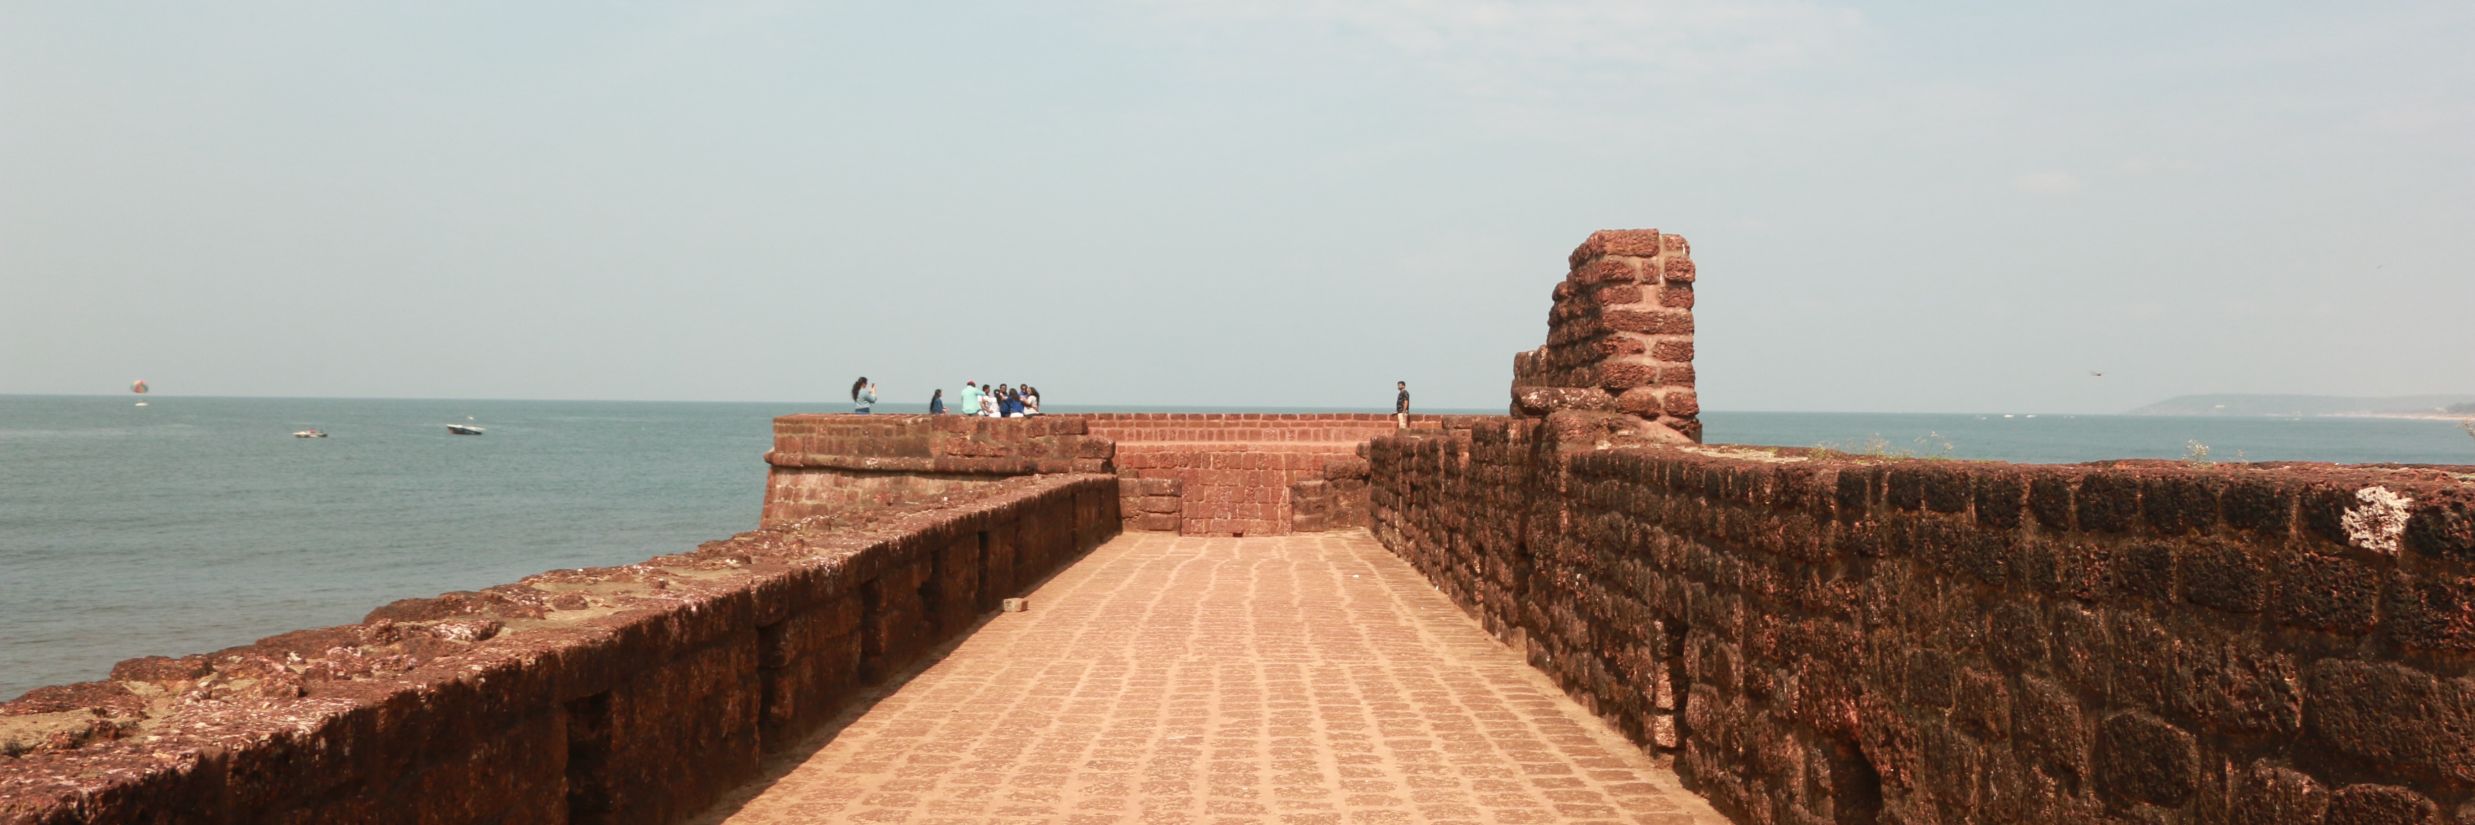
{"points": [[200, 523]]}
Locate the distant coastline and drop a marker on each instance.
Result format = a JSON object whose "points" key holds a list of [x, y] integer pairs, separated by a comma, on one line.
{"points": [[2428, 407], [2412, 416]]}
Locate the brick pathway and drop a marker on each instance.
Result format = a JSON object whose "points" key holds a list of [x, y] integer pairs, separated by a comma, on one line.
{"points": [[1299, 679]]}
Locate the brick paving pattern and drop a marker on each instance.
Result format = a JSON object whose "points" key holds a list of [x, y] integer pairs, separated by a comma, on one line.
{"points": [[1166, 679]]}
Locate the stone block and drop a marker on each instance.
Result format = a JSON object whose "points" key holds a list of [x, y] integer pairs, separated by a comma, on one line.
{"points": [[1649, 322], [1537, 401], [2016, 638], [2140, 758], [1981, 706], [1616, 270], [2143, 571], [2224, 576], [2429, 613], [2109, 502], [1642, 243], [2388, 713], [2261, 506], [2050, 499], [2270, 794], [1616, 376], [1642, 401], [1854, 492], [2181, 503], [1947, 490], [1903, 486], [2328, 594], [1616, 294], [2370, 804], [2000, 497], [1952, 768], [2443, 527], [2051, 729]]}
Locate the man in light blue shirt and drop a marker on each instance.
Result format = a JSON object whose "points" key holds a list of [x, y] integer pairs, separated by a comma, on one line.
{"points": [[970, 398]]}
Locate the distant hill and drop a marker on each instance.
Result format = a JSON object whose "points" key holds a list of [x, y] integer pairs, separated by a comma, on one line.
{"points": [[2244, 404]]}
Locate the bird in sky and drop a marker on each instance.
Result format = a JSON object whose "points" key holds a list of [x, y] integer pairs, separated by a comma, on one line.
{"points": [[2096, 373]]}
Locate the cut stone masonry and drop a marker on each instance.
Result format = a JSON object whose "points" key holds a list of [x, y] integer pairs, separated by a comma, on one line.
{"points": [[1619, 351]]}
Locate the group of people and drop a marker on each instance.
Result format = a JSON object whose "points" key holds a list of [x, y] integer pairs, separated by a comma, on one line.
{"points": [[1000, 401], [1008, 401]]}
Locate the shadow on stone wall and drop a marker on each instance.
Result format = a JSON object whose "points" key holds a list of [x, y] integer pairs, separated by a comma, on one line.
{"points": [[634, 694], [1816, 638]]}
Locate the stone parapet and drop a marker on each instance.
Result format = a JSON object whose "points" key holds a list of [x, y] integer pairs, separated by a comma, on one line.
{"points": [[628, 694], [1250, 428], [1816, 638], [1211, 474], [828, 464]]}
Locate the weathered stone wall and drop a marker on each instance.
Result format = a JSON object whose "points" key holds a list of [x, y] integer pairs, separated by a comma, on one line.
{"points": [[1336, 500], [830, 464], [1234, 474], [1213, 474], [616, 695], [1820, 639], [1619, 339], [1150, 505]]}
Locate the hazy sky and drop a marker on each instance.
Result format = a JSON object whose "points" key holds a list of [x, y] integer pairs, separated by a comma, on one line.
{"points": [[1929, 206]]}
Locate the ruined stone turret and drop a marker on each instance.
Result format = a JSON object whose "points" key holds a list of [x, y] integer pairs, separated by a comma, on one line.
{"points": [[1619, 355]]}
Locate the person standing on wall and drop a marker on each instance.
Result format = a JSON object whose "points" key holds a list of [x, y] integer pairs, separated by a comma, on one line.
{"points": [[936, 402], [863, 395], [1400, 405]]}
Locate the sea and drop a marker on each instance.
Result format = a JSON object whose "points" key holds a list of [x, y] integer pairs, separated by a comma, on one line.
{"points": [[194, 524]]}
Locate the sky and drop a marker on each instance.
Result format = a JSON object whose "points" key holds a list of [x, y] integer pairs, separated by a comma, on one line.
{"points": [[1894, 207]]}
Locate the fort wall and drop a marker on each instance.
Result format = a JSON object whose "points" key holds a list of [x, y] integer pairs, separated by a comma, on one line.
{"points": [[1205, 474], [1823, 639], [835, 464], [1239, 474], [633, 694]]}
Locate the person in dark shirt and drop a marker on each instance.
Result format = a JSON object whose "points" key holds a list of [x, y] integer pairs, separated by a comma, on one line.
{"points": [[1400, 406], [936, 402]]}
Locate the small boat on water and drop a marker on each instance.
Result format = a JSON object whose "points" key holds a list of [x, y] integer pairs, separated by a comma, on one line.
{"points": [[310, 433], [464, 429]]}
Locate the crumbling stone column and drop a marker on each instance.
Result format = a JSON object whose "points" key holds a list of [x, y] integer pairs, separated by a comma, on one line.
{"points": [[1619, 356]]}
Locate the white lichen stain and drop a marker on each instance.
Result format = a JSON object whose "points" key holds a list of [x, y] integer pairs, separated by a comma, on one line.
{"points": [[2377, 523]]}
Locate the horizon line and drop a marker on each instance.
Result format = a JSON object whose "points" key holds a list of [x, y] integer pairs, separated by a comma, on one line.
{"points": [[1063, 409]]}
